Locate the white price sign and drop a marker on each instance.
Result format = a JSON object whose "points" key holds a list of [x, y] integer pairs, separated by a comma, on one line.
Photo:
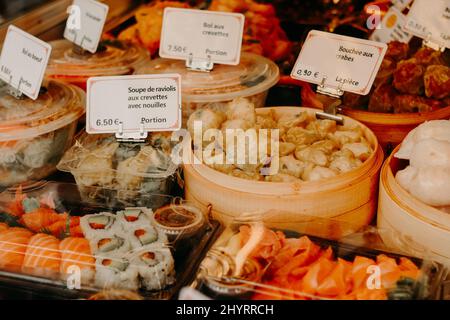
{"points": [[392, 28], [207, 35], [345, 63], [23, 61], [84, 26], [139, 103], [430, 20]]}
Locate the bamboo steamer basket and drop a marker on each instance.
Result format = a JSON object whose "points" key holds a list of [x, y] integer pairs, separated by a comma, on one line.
{"points": [[391, 129], [349, 199], [401, 213]]}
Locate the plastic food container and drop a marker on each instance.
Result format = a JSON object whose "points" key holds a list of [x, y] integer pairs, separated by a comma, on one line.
{"points": [[350, 197], [129, 170], [54, 244], [251, 79], [261, 260], [34, 134], [399, 211], [113, 58]]}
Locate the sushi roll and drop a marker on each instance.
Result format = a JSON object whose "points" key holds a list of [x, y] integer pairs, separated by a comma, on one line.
{"points": [[77, 252], [144, 234], [100, 224], [155, 266], [115, 272], [133, 216], [116, 243]]}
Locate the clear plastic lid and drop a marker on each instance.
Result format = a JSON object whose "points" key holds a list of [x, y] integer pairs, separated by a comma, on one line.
{"points": [[58, 105], [132, 169], [52, 241], [111, 58], [253, 75], [257, 258], [103, 152]]}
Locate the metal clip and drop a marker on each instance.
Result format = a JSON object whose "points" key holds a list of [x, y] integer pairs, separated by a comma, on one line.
{"points": [[78, 48], [428, 42], [15, 92], [331, 110], [135, 137], [333, 92], [199, 64]]}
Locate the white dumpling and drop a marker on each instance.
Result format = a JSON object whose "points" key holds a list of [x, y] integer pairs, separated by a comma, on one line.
{"points": [[344, 164], [320, 173], [431, 185], [292, 166], [347, 136], [430, 153], [316, 156], [437, 129], [242, 109], [360, 150], [209, 120]]}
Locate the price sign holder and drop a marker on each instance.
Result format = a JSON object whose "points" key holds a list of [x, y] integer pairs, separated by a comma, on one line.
{"points": [[134, 137], [202, 65], [330, 109], [428, 42], [15, 91]]}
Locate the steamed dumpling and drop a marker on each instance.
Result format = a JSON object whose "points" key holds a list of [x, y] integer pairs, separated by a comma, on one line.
{"points": [[242, 109], [430, 153], [431, 185], [209, 120], [437, 129]]}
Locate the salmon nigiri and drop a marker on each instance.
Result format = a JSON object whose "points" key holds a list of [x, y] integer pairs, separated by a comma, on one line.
{"points": [[3, 226], [13, 244], [42, 257], [77, 252]]}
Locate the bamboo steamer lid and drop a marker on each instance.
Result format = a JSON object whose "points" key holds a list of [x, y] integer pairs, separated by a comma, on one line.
{"points": [[350, 197], [404, 214]]}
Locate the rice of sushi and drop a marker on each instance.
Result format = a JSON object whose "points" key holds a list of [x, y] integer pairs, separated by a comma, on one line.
{"points": [[100, 224], [133, 216], [115, 272], [110, 244], [155, 266], [144, 234]]}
